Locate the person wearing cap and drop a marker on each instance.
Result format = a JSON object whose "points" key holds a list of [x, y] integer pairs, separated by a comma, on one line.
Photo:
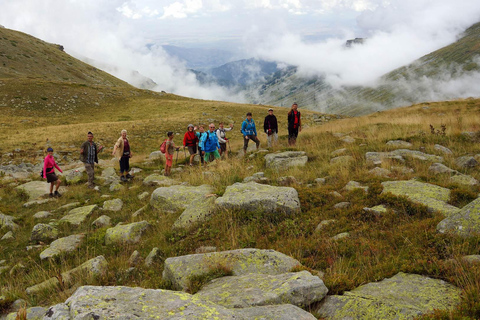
{"points": [[209, 144], [49, 166], [249, 132], [294, 124], [190, 141], [199, 134], [222, 138], [122, 151], [89, 156], [270, 127]]}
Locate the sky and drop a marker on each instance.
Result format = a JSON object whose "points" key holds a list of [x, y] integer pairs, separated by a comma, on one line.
{"points": [[307, 33]]}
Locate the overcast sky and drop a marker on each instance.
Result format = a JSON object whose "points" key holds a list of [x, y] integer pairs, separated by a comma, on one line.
{"points": [[306, 33]]}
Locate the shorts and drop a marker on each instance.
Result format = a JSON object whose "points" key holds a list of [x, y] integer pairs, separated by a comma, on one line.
{"points": [[223, 147], [51, 177], [215, 154], [192, 150], [169, 158]]}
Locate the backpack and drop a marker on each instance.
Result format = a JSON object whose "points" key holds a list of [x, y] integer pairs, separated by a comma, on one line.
{"points": [[163, 146]]}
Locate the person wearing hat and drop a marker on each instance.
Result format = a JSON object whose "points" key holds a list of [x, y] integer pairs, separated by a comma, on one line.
{"points": [[122, 151], [222, 138], [49, 166], [89, 156], [249, 131], [190, 141], [270, 127]]}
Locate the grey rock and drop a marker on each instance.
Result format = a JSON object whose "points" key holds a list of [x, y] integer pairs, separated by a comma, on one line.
{"points": [[42, 215], [159, 180], [324, 224], [256, 177], [205, 249], [475, 258], [135, 259], [380, 172], [399, 144], [113, 205], [342, 205], [354, 185], [43, 233], [102, 221], [199, 210], [342, 160], [58, 312], [143, 195], [126, 234], [62, 245], [443, 149], [338, 152], [109, 176], [466, 162], [341, 236], [155, 256], [17, 304], [74, 176], [347, 139], [8, 236], [68, 206], [156, 155], [377, 210], [38, 202], [33, 313], [7, 222], [464, 180], [77, 216], [285, 160], [437, 168], [465, 222], [336, 194], [116, 186], [273, 312], [176, 198], [320, 181], [286, 181]]}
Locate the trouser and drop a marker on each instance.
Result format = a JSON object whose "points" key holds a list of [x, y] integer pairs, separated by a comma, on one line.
{"points": [[209, 155], [124, 164], [292, 135], [250, 137], [274, 137], [200, 153], [90, 169]]}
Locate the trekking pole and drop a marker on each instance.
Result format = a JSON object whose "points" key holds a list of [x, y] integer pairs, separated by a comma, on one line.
{"points": [[176, 160], [229, 148], [184, 153]]}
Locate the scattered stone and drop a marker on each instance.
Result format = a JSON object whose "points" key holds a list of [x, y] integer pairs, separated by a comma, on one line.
{"points": [[443, 149], [324, 224], [471, 258], [380, 172], [340, 236], [354, 185], [464, 180], [42, 215], [62, 245], [143, 195], [156, 155], [285, 160], [7, 222], [37, 202], [178, 270], [432, 196], [399, 144], [402, 170], [343, 160], [74, 176], [109, 175], [298, 288], [159, 180], [78, 216], [338, 152], [377, 210], [198, 211], [253, 196], [438, 168], [258, 177], [404, 296], [155, 256], [32, 313], [43, 233], [377, 158], [113, 205], [287, 181], [342, 205], [116, 186], [102, 222], [68, 206], [466, 162], [274, 312], [174, 198], [465, 222], [126, 234], [93, 267], [135, 259], [205, 249], [17, 304], [348, 139], [139, 212], [336, 194], [35, 189], [8, 236], [320, 181]]}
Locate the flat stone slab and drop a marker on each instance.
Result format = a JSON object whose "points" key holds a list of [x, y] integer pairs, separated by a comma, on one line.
{"points": [[77, 216], [399, 144], [404, 296], [253, 196], [285, 160], [274, 312], [345, 160], [443, 149], [126, 233], [178, 270], [376, 158], [174, 198], [465, 222], [62, 245], [159, 180], [113, 205], [297, 288], [432, 196], [37, 189], [198, 211], [32, 313]]}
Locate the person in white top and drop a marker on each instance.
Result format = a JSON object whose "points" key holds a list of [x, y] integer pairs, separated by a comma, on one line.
{"points": [[222, 139]]}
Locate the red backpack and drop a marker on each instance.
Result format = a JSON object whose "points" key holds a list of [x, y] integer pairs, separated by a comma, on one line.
{"points": [[163, 146]]}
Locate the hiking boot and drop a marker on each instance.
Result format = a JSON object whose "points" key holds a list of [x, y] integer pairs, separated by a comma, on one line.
{"points": [[51, 195], [129, 176], [57, 194], [123, 179]]}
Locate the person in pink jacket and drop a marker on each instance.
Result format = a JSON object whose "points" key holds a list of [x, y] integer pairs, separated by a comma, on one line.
{"points": [[49, 166]]}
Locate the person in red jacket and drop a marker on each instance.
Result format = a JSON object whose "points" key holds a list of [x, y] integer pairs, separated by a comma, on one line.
{"points": [[190, 141], [294, 124], [49, 166]]}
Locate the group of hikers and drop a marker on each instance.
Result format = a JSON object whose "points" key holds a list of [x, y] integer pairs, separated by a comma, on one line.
{"points": [[209, 145]]}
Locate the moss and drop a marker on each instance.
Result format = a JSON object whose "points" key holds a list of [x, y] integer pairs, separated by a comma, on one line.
{"points": [[196, 282]]}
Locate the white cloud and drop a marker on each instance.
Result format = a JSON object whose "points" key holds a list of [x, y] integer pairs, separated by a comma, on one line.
{"points": [[182, 9]]}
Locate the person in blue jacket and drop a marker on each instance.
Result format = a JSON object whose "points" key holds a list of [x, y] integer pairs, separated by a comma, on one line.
{"points": [[249, 132], [209, 144]]}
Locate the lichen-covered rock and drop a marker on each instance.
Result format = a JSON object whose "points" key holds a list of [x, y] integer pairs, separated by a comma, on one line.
{"points": [[342, 205], [436, 168], [42, 215], [8, 236], [297, 288], [176, 198], [135, 259], [93, 267], [404, 296], [77, 216], [44, 233], [274, 312], [116, 186], [34, 313], [376, 158], [257, 177], [126, 233], [377, 210], [102, 221], [443, 149], [285, 160], [432, 196], [35, 189], [418, 155], [143, 195], [74, 176], [342, 160], [91, 302], [347, 139], [62, 245], [380, 172], [58, 312], [399, 144], [341, 236], [465, 222], [159, 180], [463, 180], [155, 256], [156, 155], [338, 152], [466, 162], [474, 258], [178, 270], [7, 222], [253, 196], [354, 185], [198, 211], [324, 224], [113, 205]]}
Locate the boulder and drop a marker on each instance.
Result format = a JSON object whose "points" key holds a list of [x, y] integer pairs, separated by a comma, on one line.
{"points": [[417, 155], [274, 312], [198, 211], [463, 180], [159, 180], [43, 233], [33, 313], [7, 222], [342, 205], [174, 198], [297, 288], [115, 186], [443, 149], [74, 176], [93, 267], [347, 139], [324, 224], [77, 216], [113, 205], [257, 177], [464, 222], [62, 245], [354, 185], [42, 215], [338, 152], [135, 259], [101, 222], [342, 160], [37, 189], [432, 196], [466, 162], [109, 176], [126, 233], [404, 296], [377, 158], [155, 256], [8, 236], [143, 195], [438, 168], [178, 270], [285, 160], [399, 144], [380, 172], [253, 196], [156, 155]]}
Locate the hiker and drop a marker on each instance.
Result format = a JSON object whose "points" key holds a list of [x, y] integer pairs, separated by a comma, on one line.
{"points": [[89, 156], [190, 141], [294, 124], [270, 127], [249, 132], [199, 134], [222, 139], [49, 166], [209, 144], [170, 150], [122, 151]]}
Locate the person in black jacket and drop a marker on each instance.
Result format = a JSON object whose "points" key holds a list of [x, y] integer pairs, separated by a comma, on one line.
{"points": [[270, 127], [294, 124]]}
